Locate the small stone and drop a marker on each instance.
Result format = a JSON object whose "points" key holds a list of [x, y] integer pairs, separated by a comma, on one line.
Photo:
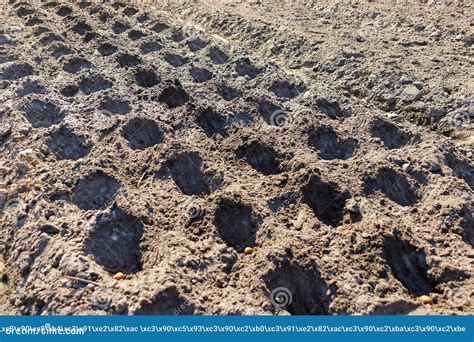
{"points": [[3, 197], [29, 156], [119, 276], [434, 168], [248, 250], [425, 300], [407, 167], [298, 223]]}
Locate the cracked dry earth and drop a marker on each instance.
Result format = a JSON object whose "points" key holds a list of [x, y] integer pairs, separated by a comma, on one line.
{"points": [[135, 140]]}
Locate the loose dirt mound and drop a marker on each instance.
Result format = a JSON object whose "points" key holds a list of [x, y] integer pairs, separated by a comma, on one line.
{"points": [[135, 142]]}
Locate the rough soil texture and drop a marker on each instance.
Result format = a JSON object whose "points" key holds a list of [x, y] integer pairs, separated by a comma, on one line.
{"points": [[160, 142], [412, 59]]}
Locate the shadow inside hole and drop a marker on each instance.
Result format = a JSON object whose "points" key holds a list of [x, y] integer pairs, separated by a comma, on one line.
{"points": [[175, 60], [236, 224], [114, 242], [200, 75], [261, 157], [147, 78], [186, 171], [326, 199], [142, 133], [65, 144], [332, 109], [392, 136], [174, 96], [461, 168], [126, 60], [16, 71], [244, 67], [217, 56], [95, 191], [286, 89], [211, 122], [408, 264], [330, 145], [394, 185], [307, 291], [42, 113]]}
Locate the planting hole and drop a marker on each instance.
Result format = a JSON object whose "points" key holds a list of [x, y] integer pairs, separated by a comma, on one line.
{"points": [[211, 122], [228, 93], [408, 264], [120, 27], [159, 27], [42, 114], [331, 109], [200, 74], [107, 49], [110, 106], [17, 71], [142, 133], [136, 34], [75, 64], [390, 134], [114, 241], [330, 145], [82, 28], [175, 60], [30, 87], [326, 200], [300, 290], [261, 157], [217, 56], [146, 78], [394, 185], [93, 84], [65, 144], [285, 89], [174, 96], [167, 303], [243, 67], [64, 11], [150, 47], [95, 191], [236, 224], [127, 60], [196, 44], [186, 171]]}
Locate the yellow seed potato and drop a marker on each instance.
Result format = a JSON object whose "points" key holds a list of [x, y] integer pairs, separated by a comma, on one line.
{"points": [[426, 300], [248, 250], [119, 276]]}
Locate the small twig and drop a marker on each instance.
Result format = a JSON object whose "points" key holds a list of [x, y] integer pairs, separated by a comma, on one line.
{"points": [[141, 178], [87, 281]]}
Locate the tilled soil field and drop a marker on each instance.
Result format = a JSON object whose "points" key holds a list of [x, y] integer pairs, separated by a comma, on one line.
{"points": [[153, 162]]}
